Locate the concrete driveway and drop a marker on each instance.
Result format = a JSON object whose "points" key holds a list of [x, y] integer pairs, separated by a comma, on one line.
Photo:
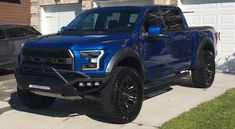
{"points": [[157, 108]]}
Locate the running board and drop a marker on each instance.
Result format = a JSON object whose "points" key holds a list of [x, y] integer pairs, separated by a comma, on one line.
{"points": [[155, 91], [164, 80]]}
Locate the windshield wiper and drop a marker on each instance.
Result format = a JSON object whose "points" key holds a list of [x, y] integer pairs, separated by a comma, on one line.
{"points": [[70, 29]]}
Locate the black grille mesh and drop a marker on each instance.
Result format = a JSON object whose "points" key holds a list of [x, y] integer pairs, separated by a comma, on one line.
{"points": [[57, 58]]}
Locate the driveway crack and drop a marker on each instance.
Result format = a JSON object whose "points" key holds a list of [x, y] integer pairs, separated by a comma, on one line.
{"points": [[140, 124]]}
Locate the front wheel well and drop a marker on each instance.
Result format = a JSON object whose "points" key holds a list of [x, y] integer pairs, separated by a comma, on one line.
{"points": [[132, 63]]}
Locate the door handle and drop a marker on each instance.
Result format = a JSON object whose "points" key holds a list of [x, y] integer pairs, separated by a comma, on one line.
{"points": [[163, 35]]}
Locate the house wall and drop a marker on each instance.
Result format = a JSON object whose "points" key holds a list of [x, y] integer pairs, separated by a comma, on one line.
{"points": [[36, 8], [15, 13], [166, 2], [51, 2]]}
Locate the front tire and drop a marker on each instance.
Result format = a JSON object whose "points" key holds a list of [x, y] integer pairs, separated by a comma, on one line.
{"points": [[34, 101], [122, 97], [204, 74]]}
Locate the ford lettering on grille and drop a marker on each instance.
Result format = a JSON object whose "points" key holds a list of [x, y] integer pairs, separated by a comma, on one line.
{"points": [[56, 58]]}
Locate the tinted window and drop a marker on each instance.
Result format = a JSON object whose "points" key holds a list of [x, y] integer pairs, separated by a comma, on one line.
{"points": [[16, 32], [11, 1], [152, 18], [105, 22], [2, 35], [114, 18], [90, 22], [173, 20], [32, 31]]}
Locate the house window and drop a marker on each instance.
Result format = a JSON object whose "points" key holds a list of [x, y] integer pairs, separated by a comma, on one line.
{"points": [[11, 1], [2, 35]]}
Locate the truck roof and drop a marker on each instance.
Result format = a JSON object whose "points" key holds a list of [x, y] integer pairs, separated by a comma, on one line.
{"points": [[134, 7]]}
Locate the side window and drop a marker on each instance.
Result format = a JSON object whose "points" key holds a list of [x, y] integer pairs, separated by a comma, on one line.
{"points": [[173, 20], [133, 18], [16, 32], [32, 31], [112, 21], [2, 35], [152, 18]]}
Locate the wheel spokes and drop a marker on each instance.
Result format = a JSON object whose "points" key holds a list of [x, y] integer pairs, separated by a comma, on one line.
{"points": [[129, 93], [208, 68]]}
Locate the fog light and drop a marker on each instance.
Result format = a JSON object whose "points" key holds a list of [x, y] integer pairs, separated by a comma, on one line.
{"points": [[89, 66], [97, 83], [81, 84], [89, 84]]}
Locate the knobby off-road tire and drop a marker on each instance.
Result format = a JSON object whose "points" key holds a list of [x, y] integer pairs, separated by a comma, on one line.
{"points": [[34, 101], [204, 74], [122, 97]]}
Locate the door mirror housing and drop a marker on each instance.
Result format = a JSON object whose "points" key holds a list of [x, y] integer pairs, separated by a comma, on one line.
{"points": [[155, 30]]}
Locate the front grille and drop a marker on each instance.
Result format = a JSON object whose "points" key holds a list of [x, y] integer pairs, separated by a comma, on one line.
{"points": [[57, 58]]}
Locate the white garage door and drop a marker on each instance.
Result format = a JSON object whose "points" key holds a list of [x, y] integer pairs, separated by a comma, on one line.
{"points": [[56, 16], [103, 3], [220, 15]]}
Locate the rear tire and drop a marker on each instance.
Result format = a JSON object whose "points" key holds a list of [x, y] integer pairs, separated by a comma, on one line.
{"points": [[122, 97], [34, 101], [204, 74]]}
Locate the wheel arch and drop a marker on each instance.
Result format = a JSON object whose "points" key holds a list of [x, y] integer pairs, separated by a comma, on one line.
{"points": [[206, 44], [126, 57]]}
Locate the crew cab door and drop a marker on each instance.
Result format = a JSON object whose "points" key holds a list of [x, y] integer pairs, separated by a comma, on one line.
{"points": [[180, 49], [155, 53]]}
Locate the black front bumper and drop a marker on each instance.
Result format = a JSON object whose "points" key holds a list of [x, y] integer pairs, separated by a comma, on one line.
{"points": [[60, 82]]}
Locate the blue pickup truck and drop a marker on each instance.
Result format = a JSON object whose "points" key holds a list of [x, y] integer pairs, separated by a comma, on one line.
{"points": [[111, 54]]}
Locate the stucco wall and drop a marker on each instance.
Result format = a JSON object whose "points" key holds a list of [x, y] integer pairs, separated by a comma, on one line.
{"points": [[51, 2], [166, 2]]}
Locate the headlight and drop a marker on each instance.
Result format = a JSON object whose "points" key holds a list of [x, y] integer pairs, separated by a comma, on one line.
{"points": [[22, 44], [94, 57]]}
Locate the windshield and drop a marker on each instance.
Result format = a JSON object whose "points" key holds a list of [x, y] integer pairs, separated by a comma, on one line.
{"points": [[104, 22]]}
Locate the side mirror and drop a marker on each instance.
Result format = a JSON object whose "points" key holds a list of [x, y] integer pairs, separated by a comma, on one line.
{"points": [[62, 29], [155, 30]]}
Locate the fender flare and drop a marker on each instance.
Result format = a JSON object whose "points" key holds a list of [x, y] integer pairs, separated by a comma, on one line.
{"points": [[203, 43], [120, 55]]}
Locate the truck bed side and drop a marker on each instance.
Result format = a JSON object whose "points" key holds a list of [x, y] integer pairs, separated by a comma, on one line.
{"points": [[202, 34]]}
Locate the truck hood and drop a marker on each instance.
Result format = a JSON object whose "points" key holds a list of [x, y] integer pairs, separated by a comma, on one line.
{"points": [[74, 41]]}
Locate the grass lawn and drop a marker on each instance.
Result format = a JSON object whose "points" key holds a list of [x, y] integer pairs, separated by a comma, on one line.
{"points": [[216, 114]]}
